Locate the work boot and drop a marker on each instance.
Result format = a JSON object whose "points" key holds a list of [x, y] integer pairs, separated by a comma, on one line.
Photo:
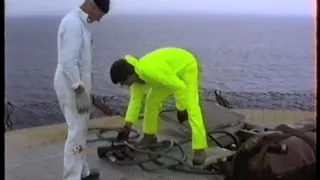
{"points": [[147, 139], [199, 157], [94, 175]]}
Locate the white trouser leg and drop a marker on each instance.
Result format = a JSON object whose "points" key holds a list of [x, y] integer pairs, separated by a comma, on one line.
{"points": [[85, 166], [75, 165]]}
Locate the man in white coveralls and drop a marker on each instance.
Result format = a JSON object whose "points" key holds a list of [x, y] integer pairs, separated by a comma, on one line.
{"points": [[72, 83]]}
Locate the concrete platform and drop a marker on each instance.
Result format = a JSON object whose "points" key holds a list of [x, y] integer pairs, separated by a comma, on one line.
{"points": [[45, 163], [37, 153]]}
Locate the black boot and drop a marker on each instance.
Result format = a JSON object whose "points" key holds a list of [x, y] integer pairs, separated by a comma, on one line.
{"points": [[199, 157], [147, 139], [94, 175]]}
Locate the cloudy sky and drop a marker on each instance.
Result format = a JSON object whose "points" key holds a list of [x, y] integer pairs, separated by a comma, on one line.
{"points": [[270, 7]]}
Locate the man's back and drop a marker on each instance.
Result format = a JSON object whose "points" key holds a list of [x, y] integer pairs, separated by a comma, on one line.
{"points": [[69, 20], [176, 58], [74, 41]]}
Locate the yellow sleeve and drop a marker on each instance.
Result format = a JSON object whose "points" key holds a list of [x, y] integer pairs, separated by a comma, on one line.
{"points": [[137, 92], [164, 76]]}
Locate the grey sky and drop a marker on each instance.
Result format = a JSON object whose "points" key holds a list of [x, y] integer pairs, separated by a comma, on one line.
{"points": [[272, 7]]}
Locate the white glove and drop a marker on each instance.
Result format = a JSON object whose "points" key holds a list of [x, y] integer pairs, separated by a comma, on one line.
{"points": [[83, 102]]}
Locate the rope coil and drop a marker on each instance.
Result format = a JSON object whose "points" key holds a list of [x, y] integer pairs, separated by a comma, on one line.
{"points": [[9, 109]]}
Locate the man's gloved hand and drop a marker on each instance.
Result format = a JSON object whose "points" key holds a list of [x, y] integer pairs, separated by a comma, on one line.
{"points": [[124, 133], [182, 116], [83, 101]]}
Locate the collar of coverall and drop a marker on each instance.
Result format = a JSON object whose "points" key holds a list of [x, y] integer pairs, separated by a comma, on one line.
{"points": [[83, 16], [134, 62]]}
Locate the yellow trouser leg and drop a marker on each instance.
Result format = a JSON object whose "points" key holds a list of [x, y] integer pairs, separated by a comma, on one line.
{"points": [[199, 135], [152, 108]]}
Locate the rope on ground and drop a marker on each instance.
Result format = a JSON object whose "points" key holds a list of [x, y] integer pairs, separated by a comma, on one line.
{"points": [[125, 153]]}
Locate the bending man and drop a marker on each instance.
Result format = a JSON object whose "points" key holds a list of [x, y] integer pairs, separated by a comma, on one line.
{"points": [[162, 72], [72, 83]]}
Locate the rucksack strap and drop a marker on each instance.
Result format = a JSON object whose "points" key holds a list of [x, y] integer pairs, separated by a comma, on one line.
{"points": [[300, 134]]}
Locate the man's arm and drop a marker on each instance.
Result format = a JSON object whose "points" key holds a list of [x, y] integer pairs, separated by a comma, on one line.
{"points": [[165, 77], [70, 48], [137, 92]]}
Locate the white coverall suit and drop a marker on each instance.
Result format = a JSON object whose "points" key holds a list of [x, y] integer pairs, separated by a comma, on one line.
{"points": [[74, 69]]}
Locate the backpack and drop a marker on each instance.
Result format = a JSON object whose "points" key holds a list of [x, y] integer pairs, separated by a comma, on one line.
{"points": [[285, 153]]}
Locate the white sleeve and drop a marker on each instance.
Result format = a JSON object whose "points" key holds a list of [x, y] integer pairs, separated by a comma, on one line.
{"points": [[71, 44]]}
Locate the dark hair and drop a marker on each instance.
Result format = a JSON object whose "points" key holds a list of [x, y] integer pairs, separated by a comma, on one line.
{"points": [[120, 70], [103, 5]]}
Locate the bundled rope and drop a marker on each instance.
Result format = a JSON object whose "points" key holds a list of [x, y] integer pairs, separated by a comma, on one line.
{"points": [[9, 109], [221, 100]]}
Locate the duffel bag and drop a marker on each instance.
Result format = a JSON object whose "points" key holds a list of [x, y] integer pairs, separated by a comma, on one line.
{"points": [[286, 153]]}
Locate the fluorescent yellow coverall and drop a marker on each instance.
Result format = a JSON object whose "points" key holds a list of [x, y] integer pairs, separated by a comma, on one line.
{"points": [[167, 71]]}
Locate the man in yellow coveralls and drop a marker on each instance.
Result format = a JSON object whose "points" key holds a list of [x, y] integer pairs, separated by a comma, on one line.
{"points": [[161, 73]]}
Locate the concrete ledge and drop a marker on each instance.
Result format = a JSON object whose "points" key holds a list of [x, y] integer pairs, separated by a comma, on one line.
{"points": [[44, 135], [275, 116]]}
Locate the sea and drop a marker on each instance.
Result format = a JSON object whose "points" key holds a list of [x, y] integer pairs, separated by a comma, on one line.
{"points": [[269, 60]]}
